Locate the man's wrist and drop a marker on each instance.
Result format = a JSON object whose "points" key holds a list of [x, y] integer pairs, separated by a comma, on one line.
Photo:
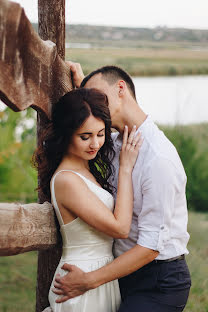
{"points": [[77, 82], [91, 281]]}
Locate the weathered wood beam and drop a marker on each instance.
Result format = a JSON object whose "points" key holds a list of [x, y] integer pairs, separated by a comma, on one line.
{"points": [[26, 227], [32, 73]]}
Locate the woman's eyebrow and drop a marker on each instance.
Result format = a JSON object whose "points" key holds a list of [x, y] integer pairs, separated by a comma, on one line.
{"points": [[91, 132]]}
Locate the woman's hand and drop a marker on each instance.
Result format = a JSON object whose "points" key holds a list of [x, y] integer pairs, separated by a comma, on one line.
{"points": [[130, 149]]}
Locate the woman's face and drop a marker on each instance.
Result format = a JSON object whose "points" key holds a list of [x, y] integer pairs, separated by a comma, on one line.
{"points": [[88, 139]]}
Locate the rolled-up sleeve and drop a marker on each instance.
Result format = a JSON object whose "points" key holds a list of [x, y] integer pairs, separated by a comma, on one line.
{"points": [[159, 188]]}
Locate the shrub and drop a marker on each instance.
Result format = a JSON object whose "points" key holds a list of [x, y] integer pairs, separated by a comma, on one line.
{"points": [[195, 162]]}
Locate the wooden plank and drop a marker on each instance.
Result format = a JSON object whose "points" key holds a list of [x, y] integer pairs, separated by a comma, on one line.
{"points": [[26, 227], [32, 73]]}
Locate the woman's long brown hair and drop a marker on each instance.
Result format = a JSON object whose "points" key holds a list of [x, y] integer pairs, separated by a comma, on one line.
{"points": [[68, 114]]}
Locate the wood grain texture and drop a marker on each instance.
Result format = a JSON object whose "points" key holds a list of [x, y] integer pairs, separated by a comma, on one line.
{"points": [[51, 23], [26, 227], [32, 73]]}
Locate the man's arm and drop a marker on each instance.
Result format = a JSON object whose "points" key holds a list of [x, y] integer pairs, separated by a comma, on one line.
{"points": [[125, 264], [76, 282], [77, 73]]}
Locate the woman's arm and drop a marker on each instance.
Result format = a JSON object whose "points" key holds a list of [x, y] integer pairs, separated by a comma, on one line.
{"points": [[73, 194], [124, 200]]}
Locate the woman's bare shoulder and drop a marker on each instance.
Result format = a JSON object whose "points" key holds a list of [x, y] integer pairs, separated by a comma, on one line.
{"points": [[68, 181]]}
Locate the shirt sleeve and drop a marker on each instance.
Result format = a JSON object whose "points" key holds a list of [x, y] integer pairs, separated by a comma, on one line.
{"points": [[159, 188]]}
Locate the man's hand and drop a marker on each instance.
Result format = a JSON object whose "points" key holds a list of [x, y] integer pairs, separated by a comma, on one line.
{"points": [[77, 73], [71, 285]]}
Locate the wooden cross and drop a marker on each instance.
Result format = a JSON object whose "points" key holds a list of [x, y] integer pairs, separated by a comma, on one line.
{"points": [[32, 74]]}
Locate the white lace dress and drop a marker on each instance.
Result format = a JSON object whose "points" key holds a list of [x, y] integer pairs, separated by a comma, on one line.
{"points": [[88, 249]]}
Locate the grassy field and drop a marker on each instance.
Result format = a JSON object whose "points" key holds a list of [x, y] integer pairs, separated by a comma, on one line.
{"points": [[143, 61], [18, 273], [197, 261], [17, 283]]}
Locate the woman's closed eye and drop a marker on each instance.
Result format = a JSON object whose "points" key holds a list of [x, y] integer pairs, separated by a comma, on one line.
{"points": [[85, 138]]}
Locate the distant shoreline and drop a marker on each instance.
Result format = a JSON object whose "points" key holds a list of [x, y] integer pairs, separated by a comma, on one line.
{"points": [[143, 52], [143, 62]]}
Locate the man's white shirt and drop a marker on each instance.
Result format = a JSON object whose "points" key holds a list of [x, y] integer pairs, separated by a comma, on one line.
{"points": [[159, 181]]}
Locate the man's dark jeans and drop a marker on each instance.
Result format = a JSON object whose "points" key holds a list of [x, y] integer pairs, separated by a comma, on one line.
{"points": [[156, 287]]}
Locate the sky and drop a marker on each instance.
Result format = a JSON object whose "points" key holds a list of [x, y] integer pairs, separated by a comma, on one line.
{"points": [[131, 13]]}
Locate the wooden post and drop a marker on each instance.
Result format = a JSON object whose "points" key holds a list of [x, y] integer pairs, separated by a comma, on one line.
{"points": [[51, 23], [51, 26]]}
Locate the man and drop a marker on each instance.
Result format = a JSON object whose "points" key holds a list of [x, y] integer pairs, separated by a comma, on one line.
{"points": [[150, 264]]}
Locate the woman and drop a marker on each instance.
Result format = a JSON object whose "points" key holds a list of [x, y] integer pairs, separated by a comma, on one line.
{"points": [[75, 164]]}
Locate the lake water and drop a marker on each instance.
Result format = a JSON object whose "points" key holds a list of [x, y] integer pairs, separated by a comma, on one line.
{"points": [[174, 100]]}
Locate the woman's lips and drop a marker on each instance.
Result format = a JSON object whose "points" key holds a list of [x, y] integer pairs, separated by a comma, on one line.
{"points": [[92, 152]]}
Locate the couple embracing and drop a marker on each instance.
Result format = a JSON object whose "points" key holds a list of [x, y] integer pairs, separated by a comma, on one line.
{"points": [[119, 198]]}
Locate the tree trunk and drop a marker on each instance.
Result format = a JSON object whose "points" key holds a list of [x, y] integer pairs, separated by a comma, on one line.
{"points": [[51, 15]]}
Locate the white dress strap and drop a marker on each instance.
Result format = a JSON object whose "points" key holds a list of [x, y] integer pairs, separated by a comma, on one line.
{"points": [[53, 196]]}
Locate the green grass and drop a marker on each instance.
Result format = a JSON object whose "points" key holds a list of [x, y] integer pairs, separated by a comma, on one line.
{"points": [[197, 261], [18, 273], [143, 61], [18, 283]]}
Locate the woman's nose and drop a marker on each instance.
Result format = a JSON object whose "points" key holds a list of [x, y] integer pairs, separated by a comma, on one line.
{"points": [[94, 143]]}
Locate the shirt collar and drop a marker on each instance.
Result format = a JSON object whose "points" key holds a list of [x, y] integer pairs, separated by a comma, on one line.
{"points": [[119, 138]]}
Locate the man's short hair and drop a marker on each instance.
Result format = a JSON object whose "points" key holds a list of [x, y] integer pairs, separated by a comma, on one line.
{"points": [[112, 74]]}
